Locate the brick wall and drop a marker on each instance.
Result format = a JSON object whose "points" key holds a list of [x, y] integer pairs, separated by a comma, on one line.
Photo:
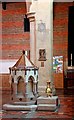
{"points": [[60, 40], [14, 39], [4, 81]]}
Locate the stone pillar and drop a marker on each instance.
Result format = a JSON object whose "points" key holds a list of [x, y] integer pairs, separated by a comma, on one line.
{"points": [[15, 85], [35, 92], [26, 87], [15, 88], [32, 37], [41, 41], [27, 5], [37, 87]]}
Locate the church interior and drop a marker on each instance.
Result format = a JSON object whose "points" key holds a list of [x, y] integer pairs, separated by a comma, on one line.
{"points": [[45, 36]]}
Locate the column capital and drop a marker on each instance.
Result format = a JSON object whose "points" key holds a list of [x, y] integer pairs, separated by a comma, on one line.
{"points": [[31, 16], [15, 81], [35, 82]]}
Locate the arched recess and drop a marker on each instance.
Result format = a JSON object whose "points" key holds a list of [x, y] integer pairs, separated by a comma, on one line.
{"points": [[31, 85], [12, 85], [20, 85]]}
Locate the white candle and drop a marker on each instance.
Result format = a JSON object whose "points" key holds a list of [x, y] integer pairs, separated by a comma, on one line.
{"points": [[71, 56], [71, 59]]}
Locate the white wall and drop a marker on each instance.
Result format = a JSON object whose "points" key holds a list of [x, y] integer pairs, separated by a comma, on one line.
{"points": [[5, 64]]}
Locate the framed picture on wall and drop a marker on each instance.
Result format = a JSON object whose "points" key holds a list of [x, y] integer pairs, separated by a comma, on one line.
{"points": [[58, 64], [42, 55]]}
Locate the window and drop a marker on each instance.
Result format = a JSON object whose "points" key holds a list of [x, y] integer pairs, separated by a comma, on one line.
{"points": [[4, 5], [26, 24]]}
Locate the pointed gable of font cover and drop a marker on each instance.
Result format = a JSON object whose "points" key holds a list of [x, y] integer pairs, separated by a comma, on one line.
{"points": [[23, 63]]}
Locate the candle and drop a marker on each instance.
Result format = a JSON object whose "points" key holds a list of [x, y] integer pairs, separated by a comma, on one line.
{"points": [[71, 59], [71, 56]]}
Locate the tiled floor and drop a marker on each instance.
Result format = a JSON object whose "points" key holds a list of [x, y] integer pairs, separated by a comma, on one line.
{"points": [[64, 112]]}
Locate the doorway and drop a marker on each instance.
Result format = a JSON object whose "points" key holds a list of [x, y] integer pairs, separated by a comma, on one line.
{"points": [[71, 36]]}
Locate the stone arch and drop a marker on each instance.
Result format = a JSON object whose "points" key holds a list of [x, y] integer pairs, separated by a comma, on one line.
{"points": [[20, 85]]}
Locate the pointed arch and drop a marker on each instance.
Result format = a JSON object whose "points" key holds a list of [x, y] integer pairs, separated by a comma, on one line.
{"points": [[30, 84], [20, 85]]}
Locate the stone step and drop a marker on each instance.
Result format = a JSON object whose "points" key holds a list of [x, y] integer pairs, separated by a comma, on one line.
{"points": [[48, 100], [19, 107], [48, 107], [24, 103]]}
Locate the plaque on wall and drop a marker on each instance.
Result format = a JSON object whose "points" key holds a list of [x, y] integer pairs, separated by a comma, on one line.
{"points": [[42, 64], [41, 27], [42, 55]]}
